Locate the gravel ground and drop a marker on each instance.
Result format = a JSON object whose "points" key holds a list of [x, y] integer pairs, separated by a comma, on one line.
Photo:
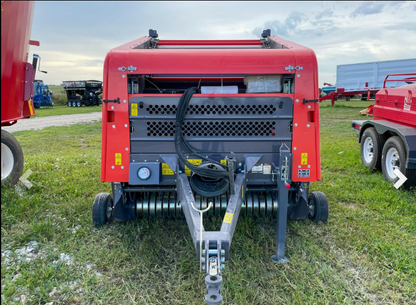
{"points": [[56, 120]]}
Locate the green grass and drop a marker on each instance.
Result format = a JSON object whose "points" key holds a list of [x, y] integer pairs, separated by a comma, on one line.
{"points": [[57, 89], [63, 109], [365, 254]]}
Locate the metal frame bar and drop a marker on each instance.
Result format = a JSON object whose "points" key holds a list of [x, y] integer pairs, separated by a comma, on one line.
{"points": [[283, 198], [225, 235]]}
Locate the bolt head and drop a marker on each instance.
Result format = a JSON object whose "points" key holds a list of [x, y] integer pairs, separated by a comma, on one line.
{"points": [[114, 126], [309, 166], [127, 149], [112, 107], [112, 167], [299, 166], [297, 101], [294, 148], [122, 167], [308, 125], [298, 75], [296, 124], [125, 125], [124, 101], [309, 106], [124, 76]]}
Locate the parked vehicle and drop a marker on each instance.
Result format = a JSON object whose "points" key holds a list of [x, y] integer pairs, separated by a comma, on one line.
{"points": [[234, 133], [83, 92], [388, 142], [367, 78], [42, 96], [17, 78]]}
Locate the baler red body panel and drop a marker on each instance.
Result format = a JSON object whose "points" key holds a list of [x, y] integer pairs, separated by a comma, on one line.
{"points": [[16, 74], [115, 123]]}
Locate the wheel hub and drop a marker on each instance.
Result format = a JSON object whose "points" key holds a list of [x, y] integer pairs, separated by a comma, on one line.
{"points": [[7, 161], [368, 150], [392, 162]]}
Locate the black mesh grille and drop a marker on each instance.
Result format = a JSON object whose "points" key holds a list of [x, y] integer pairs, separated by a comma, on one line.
{"points": [[212, 109], [213, 129]]}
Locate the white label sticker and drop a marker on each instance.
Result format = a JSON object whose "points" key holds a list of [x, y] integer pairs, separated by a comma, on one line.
{"points": [[267, 169], [257, 169], [406, 106]]}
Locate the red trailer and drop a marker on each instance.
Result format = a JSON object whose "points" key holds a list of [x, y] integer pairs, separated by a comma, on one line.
{"points": [[366, 79], [226, 127], [17, 77], [388, 142]]}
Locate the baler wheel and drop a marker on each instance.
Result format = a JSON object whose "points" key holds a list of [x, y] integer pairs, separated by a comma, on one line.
{"points": [[11, 159], [102, 209], [318, 207]]}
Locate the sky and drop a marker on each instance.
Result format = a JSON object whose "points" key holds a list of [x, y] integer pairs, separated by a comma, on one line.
{"points": [[76, 36]]}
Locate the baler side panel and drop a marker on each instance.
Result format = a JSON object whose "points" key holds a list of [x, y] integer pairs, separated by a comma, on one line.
{"points": [[104, 118], [306, 116], [116, 137]]}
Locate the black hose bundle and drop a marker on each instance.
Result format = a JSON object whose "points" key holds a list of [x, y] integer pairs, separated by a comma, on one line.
{"points": [[181, 143]]}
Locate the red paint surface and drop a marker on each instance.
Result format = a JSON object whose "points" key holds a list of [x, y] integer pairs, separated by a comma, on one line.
{"points": [[214, 62], [397, 105], [16, 25]]}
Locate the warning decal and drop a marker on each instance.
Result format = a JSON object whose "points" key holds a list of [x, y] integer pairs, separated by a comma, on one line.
{"points": [[166, 170], [228, 217], [194, 162], [304, 159], [134, 109], [118, 159]]}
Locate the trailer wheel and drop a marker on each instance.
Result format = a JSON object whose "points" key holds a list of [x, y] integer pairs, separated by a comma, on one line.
{"points": [[318, 207], [102, 209], [11, 159], [370, 149], [394, 157], [79, 104]]}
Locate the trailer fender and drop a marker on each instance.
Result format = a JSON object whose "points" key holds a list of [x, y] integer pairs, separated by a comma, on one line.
{"points": [[407, 134]]}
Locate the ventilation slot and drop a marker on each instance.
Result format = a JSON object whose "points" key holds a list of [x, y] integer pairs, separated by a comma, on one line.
{"points": [[213, 129], [213, 109]]}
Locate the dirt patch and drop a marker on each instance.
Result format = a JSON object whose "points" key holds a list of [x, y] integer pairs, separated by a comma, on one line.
{"points": [[83, 145]]}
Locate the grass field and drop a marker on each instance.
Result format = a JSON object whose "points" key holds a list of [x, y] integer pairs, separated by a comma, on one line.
{"points": [[57, 89], [365, 254], [63, 109]]}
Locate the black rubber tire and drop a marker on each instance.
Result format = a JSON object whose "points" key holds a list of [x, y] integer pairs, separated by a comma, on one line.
{"points": [[321, 208], [18, 160], [377, 148], [397, 143], [69, 104], [100, 208], [79, 104]]}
